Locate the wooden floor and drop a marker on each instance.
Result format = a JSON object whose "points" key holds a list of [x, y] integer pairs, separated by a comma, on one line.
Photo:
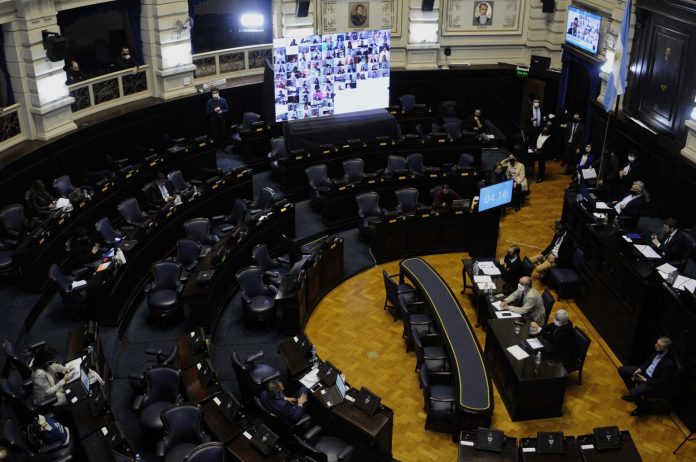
{"points": [[350, 328]]}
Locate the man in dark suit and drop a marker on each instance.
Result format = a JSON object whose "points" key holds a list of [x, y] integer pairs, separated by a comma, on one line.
{"points": [[543, 150], [290, 409], [561, 334], [631, 205], [558, 253], [475, 123], [629, 173], [537, 117], [572, 142], [511, 266], [675, 247], [160, 192], [654, 376]]}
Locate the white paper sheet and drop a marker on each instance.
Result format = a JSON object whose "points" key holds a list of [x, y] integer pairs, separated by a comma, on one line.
{"points": [[517, 352], [647, 251], [507, 314], [666, 268], [482, 278], [599, 205], [497, 304], [485, 286], [311, 378], [589, 173], [684, 283], [534, 343]]}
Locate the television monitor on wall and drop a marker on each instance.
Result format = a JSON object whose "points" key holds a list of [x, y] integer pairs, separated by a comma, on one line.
{"points": [[320, 75], [495, 195], [582, 29]]}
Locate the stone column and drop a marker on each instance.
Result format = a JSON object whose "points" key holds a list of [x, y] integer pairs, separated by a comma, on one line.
{"points": [[37, 83], [166, 35], [422, 48]]}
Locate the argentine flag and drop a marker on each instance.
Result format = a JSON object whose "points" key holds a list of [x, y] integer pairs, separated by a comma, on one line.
{"points": [[616, 84]]}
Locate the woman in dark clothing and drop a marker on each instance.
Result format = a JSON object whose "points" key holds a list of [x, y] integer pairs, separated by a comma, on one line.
{"points": [[39, 198]]}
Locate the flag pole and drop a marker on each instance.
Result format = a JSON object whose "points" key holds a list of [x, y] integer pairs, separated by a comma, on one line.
{"points": [[606, 135]]}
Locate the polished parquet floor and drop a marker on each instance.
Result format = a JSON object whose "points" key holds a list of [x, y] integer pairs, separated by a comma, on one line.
{"points": [[350, 328]]}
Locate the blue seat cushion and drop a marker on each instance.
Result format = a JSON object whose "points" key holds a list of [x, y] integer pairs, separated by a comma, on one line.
{"points": [[261, 372], [150, 416], [261, 304], [163, 299], [330, 446], [178, 452], [564, 275]]}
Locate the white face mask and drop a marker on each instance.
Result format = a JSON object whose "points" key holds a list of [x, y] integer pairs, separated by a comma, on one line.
{"points": [[521, 288], [557, 322], [216, 95], [536, 104], [631, 158], [482, 19]]}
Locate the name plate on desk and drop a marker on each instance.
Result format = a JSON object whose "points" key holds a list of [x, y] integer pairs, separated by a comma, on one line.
{"points": [[402, 178], [441, 140], [467, 443], [215, 186], [201, 145], [239, 175], [342, 188], [326, 151], [298, 157], [370, 181], [259, 129], [393, 220], [433, 175], [464, 173]]}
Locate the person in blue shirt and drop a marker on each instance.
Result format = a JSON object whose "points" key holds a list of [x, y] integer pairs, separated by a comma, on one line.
{"points": [[216, 109], [653, 377]]}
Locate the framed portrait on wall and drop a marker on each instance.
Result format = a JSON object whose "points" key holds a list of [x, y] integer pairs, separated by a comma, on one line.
{"points": [[344, 15], [476, 17]]}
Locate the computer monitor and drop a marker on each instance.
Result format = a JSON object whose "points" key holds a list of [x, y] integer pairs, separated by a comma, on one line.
{"points": [[489, 440], [550, 443], [540, 63], [495, 195], [341, 386], [607, 438]]}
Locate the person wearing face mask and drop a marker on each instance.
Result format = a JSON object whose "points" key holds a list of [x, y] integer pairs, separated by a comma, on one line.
{"points": [[572, 139], [74, 73], [515, 171], [653, 377], [543, 150], [629, 172], [585, 161], [125, 60], [557, 253], [526, 300], [476, 122], [511, 266], [216, 108], [537, 118], [48, 377], [561, 335], [632, 204]]}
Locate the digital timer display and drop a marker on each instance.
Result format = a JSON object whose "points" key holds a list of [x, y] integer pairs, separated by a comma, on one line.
{"points": [[495, 195]]}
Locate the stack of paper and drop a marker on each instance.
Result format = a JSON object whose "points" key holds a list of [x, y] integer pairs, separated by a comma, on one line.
{"points": [[665, 270], [507, 314], [599, 205], [486, 285], [311, 378], [489, 268], [589, 173], [517, 352], [482, 278], [684, 283], [647, 251], [497, 304], [534, 343]]}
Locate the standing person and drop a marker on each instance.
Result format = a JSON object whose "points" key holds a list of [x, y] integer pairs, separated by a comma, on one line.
{"points": [[572, 140], [608, 173], [629, 173], [125, 60], [537, 118], [217, 108], [543, 149]]}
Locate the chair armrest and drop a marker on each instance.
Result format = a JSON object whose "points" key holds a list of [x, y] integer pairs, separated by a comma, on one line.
{"points": [[234, 127], [217, 219], [35, 346], [12, 233], [442, 399], [346, 454], [154, 352], [227, 229], [271, 274], [12, 243], [47, 402], [160, 450], [313, 432], [138, 402], [28, 384], [49, 447], [253, 357], [304, 420], [270, 377], [246, 298], [442, 356], [147, 288], [283, 260], [179, 287], [65, 458]]}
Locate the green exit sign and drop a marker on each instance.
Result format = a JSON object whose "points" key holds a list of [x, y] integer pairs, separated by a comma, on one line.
{"points": [[522, 71]]}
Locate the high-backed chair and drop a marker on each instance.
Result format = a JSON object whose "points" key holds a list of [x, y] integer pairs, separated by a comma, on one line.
{"points": [[252, 376], [178, 182], [258, 299], [318, 180], [566, 280], [407, 103], [527, 267], [120, 165], [279, 152], [440, 403], [353, 170], [207, 452], [465, 161], [198, 229], [130, 211], [407, 199], [182, 432], [448, 111], [414, 320], [158, 358], [187, 253], [162, 390], [13, 225], [415, 163], [433, 357], [324, 448], [453, 130], [582, 345], [22, 359], [248, 121], [225, 224], [548, 301], [369, 211], [392, 290], [63, 186], [107, 232], [12, 437], [75, 301], [395, 165], [272, 267], [264, 201], [163, 294]]}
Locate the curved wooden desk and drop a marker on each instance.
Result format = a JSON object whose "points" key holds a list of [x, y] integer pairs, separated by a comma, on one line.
{"points": [[472, 382]]}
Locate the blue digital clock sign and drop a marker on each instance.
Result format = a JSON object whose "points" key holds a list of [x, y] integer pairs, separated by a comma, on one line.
{"points": [[495, 195]]}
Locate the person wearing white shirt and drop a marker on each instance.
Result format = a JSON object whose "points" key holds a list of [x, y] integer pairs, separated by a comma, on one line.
{"points": [[558, 252], [543, 150]]}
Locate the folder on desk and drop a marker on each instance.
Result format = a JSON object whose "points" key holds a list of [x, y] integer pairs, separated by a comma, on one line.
{"points": [[647, 251], [517, 352], [684, 283]]}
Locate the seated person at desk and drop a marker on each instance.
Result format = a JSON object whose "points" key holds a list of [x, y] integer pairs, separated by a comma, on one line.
{"points": [[511, 266], [445, 196], [557, 253], [83, 250], [675, 247], [653, 376], [44, 377], [475, 123], [527, 301], [39, 198], [161, 191], [515, 171], [632, 204], [290, 409], [585, 161], [561, 334]]}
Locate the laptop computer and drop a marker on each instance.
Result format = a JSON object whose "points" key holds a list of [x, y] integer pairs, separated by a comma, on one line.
{"points": [[367, 401], [550, 443], [228, 405], [328, 373], [333, 396], [607, 438], [264, 440], [489, 440]]}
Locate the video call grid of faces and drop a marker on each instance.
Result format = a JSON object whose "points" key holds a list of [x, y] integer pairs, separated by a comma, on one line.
{"points": [[310, 71]]}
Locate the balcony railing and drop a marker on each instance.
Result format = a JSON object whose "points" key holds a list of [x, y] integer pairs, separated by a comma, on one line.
{"points": [[232, 62], [10, 129], [110, 90]]}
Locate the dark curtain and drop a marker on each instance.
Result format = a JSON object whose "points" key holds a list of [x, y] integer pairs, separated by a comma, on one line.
{"points": [[192, 7], [575, 63], [130, 9], [6, 98]]}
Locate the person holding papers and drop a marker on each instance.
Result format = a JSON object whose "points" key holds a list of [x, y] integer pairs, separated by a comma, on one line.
{"points": [[654, 376], [48, 378], [585, 161], [557, 253], [290, 409], [675, 246], [632, 204], [629, 172], [511, 266], [526, 300], [561, 334]]}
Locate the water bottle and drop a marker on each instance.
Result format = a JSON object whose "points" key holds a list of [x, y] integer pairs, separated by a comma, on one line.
{"points": [[315, 360], [537, 358]]}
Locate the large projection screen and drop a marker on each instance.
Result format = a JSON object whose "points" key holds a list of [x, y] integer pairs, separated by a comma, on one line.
{"points": [[328, 74]]}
